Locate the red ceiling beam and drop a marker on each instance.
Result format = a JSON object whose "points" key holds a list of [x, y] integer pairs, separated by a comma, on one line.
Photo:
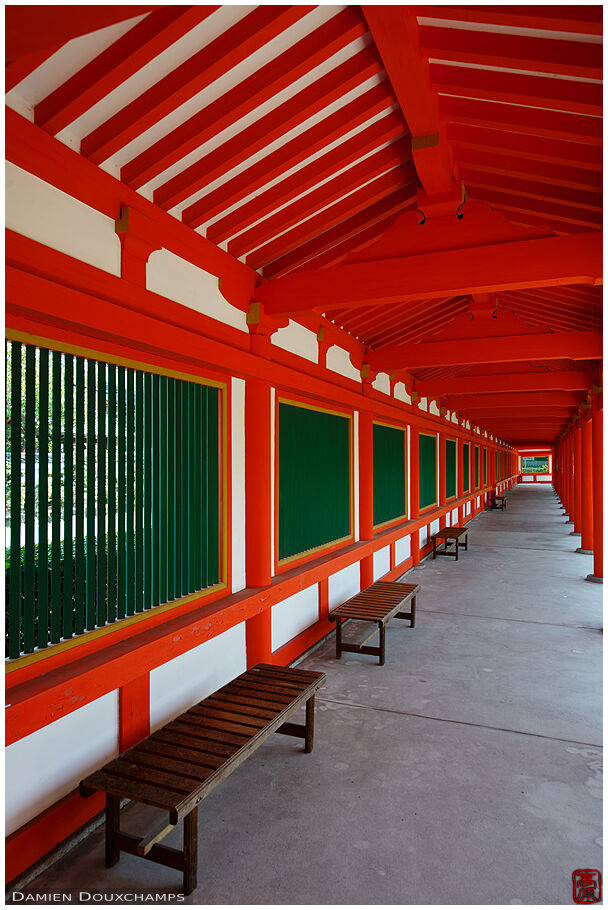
{"points": [[541, 262], [389, 206], [510, 400], [116, 64], [489, 416], [396, 179], [540, 55], [307, 177], [556, 211], [504, 382], [395, 34], [29, 29], [17, 70], [554, 151], [530, 120], [515, 88], [530, 189], [261, 86], [330, 192], [195, 74], [576, 19], [307, 143], [358, 241], [494, 162]]}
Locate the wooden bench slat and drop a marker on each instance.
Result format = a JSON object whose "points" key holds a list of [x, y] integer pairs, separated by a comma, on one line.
{"points": [[210, 733], [167, 761], [296, 685], [267, 687], [122, 786], [170, 744], [265, 698], [123, 767], [229, 702], [233, 717]]}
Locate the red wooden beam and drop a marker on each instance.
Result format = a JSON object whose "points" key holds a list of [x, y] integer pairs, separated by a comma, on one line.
{"points": [[488, 416], [307, 143], [260, 86], [29, 29], [531, 189], [396, 35], [507, 400], [343, 155], [555, 211], [576, 19], [495, 162], [398, 178], [505, 349], [555, 151], [199, 71], [541, 262], [504, 382], [112, 67], [387, 159], [540, 55], [296, 110], [17, 70], [515, 88]]}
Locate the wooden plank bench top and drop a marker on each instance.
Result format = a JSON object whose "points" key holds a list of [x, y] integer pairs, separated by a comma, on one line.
{"points": [[497, 502], [176, 767], [453, 532], [379, 603]]}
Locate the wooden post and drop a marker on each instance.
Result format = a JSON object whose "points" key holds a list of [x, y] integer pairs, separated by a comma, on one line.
{"points": [[366, 493], [586, 485], [415, 492], [576, 438], [441, 498], [190, 850], [598, 488]]}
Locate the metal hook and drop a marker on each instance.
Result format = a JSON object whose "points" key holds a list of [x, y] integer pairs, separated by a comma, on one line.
{"points": [[423, 216], [459, 214]]}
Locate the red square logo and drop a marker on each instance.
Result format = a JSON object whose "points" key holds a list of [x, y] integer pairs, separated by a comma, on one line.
{"points": [[586, 886]]}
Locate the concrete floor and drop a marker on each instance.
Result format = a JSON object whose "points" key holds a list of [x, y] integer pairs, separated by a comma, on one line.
{"points": [[465, 771]]}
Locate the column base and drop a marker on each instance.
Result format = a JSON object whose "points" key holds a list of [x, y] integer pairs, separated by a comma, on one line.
{"points": [[596, 578], [586, 552]]}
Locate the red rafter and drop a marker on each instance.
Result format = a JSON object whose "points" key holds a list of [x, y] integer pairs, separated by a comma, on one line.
{"points": [[577, 19], [556, 151], [488, 162], [17, 70]]}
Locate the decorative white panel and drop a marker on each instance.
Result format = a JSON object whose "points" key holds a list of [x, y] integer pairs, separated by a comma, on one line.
{"points": [[402, 549], [382, 562], [294, 615]]}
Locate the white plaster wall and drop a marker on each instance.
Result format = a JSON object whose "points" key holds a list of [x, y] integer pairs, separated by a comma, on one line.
{"points": [[294, 615], [382, 383], [185, 680], [434, 526], [382, 562], [423, 538], [433, 409], [468, 512], [454, 418], [48, 764], [238, 484], [401, 394], [478, 502], [43, 213], [356, 472], [298, 340], [423, 404], [344, 584], [179, 280], [338, 360], [402, 549], [455, 517]]}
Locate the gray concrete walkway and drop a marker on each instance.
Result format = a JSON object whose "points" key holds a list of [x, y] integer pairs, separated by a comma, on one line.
{"points": [[465, 771]]}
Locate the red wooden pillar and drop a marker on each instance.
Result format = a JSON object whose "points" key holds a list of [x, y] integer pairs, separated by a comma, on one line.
{"points": [[460, 481], [576, 448], [442, 477], [366, 492], [598, 488], [570, 505], [415, 492], [133, 712], [586, 484]]}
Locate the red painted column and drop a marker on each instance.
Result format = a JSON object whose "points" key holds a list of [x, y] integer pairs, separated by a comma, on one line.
{"points": [[441, 437], [597, 422], [366, 492], [571, 494], [415, 492], [133, 712], [586, 484], [576, 435], [460, 481]]}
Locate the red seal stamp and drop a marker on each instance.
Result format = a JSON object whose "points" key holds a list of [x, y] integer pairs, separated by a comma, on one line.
{"points": [[586, 886]]}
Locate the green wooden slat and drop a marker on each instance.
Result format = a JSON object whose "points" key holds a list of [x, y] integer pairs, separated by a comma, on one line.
{"points": [[466, 467], [121, 575], [30, 445], [427, 447], [213, 471], [148, 483], [191, 490], [130, 499], [111, 612], [102, 608], [90, 493], [56, 501], [43, 499], [79, 562], [184, 489], [195, 503], [177, 487], [155, 489], [163, 507], [450, 468], [139, 491], [171, 487], [485, 466], [389, 473], [204, 493], [15, 492], [68, 497]]}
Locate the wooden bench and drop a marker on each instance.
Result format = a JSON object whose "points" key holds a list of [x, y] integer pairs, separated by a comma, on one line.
{"points": [[379, 603], [448, 534], [497, 502], [183, 762]]}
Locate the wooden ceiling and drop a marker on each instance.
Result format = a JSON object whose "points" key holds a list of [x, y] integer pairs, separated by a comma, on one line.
{"points": [[295, 136]]}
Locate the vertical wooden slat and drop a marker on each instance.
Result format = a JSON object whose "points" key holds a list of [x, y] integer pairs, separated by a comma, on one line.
{"points": [[111, 611], [14, 621], [139, 491], [90, 493], [43, 499], [130, 504], [155, 488], [171, 487], [56, 501], [191, 502], [30, 440], [121, 604], [163, 509], [79, 566], [148, 482], [68, 501], [179, 547], [102, 608], [205, 487]]}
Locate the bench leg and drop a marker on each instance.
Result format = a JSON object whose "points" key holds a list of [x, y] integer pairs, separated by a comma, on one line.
{"points": [[112, 829], [434, 549], [382, 656], [309, 739], [457, 551], [466, 542], [338, 637], [190, 850], [413, 612]]}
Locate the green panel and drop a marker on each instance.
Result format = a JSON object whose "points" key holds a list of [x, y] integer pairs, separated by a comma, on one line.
{"points": [[538, 464], [485, 466], [427, 449], [121, 576], [450, 468], [314, 479], [111, 492], [389, 473], [30, 455], [79, 562], [139, 491], [90, 497], [164, 486], [148, 490], [476, 466], [466, 467], [43, 500], [102, 607], [68, 500], [212, 505], [14, 619], [56, 502], [130, 499], [171, 487]]}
